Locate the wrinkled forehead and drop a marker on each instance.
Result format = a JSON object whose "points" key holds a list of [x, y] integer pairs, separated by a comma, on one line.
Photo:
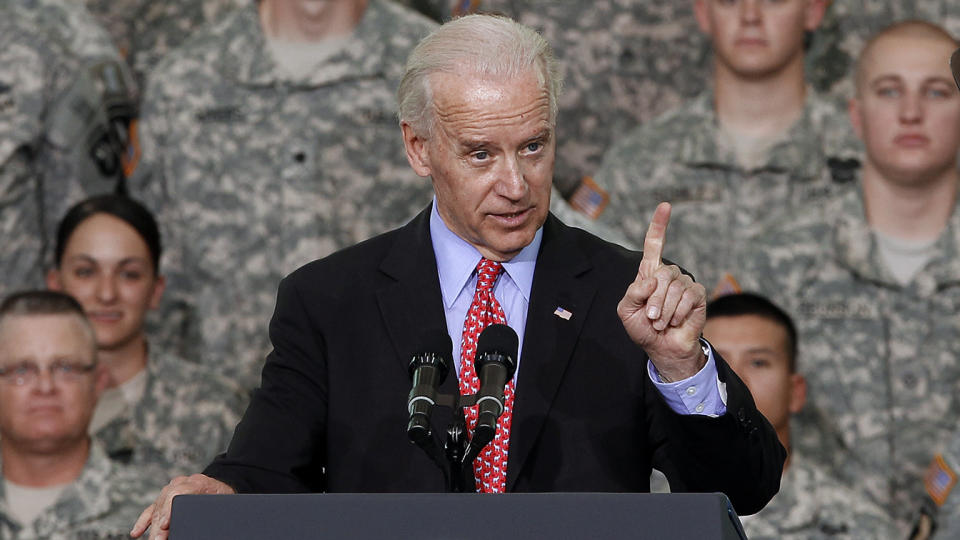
{"points": [[464, 99]]}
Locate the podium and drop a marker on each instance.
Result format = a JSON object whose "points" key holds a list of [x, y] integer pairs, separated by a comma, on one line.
{"points": [[677, 516]]}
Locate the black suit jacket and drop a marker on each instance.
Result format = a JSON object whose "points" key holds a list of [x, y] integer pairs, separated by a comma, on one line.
{"points": [[331, 412]]}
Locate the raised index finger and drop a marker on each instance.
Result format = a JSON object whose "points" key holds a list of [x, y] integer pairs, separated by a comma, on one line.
{"points": [[653, 242]]}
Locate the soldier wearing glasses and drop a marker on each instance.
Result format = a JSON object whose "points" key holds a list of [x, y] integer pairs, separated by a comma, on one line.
{"points": [[56, 483]]}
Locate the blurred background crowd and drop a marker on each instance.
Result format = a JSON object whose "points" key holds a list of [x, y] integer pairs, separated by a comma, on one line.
{"points": [[164, 164]]}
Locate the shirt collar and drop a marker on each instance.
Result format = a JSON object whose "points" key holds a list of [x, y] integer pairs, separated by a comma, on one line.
{"points": [[457, 259]]}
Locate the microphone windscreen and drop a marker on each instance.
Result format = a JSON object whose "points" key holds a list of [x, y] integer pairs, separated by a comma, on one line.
{"points": [[435, 341], [499, 338]]}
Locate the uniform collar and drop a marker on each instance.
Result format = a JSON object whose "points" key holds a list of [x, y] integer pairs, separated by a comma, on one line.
{"points": [[85, 499], [855, 247], [361, 56], [816, 136]]}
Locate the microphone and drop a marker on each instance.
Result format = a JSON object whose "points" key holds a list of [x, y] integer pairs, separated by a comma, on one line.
{"points": [[496, 362], [428, 368]]}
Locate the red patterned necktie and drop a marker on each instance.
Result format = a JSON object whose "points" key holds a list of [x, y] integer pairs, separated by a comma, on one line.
{"points": [[490, 467]]}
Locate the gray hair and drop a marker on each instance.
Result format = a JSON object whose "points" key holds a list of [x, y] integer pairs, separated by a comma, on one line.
{"points": [[483, 44], [40, 302]]}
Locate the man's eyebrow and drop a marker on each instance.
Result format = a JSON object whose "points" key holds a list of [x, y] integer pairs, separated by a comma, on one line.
{"points": [[473, 144], [939, 79], [886, 78]]}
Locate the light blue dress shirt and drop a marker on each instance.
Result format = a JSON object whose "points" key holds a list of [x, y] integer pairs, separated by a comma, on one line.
{"points": [[457, 261]]}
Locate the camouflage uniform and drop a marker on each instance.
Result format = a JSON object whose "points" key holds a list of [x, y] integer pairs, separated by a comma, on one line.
{"points": [[880, 358], [812, 505], [145, 30], [25, 82], [255, 174], [61, 87], [850, 23], [718, 207], [102, 503], [186, 417], [623, 62]]}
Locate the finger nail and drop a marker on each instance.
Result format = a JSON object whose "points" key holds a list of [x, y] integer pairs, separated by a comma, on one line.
{"points": [[653, 312]]}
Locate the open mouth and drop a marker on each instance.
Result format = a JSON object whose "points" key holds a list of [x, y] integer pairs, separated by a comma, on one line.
{"points": [[513, 218]]}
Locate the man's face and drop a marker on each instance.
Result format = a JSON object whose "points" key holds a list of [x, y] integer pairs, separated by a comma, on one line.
{"points": [[108, 268], [757, 38], [52, 411], [490, 157], [758, 351], [907, 109]]}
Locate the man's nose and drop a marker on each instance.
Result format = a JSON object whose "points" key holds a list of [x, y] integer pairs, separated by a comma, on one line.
{"points": [[911, 108], [512, 183], [751, 11]]}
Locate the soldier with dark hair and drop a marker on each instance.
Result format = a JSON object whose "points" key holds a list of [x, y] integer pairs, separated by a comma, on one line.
{"points": [[107, 257], [759, 341]]}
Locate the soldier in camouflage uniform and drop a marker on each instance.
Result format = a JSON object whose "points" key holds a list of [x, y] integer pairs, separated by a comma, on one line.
{"points": [[876, 292], [159, 409], [185, 417], [145, 30], [257, 171], [723, 180], [758, 340], [100, 504], [849, 23], [57, 483], [64, 101]]}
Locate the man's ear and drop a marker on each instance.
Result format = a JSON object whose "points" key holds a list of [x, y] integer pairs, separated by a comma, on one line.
{"points": [[816, 9], [416, 148], [798, 393], [700, 11]]}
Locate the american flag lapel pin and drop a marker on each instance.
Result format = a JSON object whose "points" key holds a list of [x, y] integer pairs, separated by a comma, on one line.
{"points": [[563, 314]]}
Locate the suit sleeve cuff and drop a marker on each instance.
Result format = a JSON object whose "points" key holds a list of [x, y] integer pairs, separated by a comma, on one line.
{"points": [[703, 393]]}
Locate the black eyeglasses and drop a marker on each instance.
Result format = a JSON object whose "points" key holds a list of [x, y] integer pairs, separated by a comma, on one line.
{"points": [[27, 373]]}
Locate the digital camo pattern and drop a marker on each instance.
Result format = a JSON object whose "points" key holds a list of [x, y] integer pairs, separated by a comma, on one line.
{"points": [[880, 358], [102, 504], [812, 505], [718, 206], [31, 70], [63, 85], [850, 23], [623, 62], [145, 30], [254, 174], [186, 417]]}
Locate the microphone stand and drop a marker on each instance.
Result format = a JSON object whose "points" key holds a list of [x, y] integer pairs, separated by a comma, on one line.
{"points": [[458, 461], [455, 447]]}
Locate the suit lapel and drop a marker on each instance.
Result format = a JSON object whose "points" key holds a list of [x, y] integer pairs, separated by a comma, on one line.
{"points": [[412, 304], [561, 280]]}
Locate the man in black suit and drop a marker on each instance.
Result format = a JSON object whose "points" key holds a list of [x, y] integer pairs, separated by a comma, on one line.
{"points": [[612, 374]]}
